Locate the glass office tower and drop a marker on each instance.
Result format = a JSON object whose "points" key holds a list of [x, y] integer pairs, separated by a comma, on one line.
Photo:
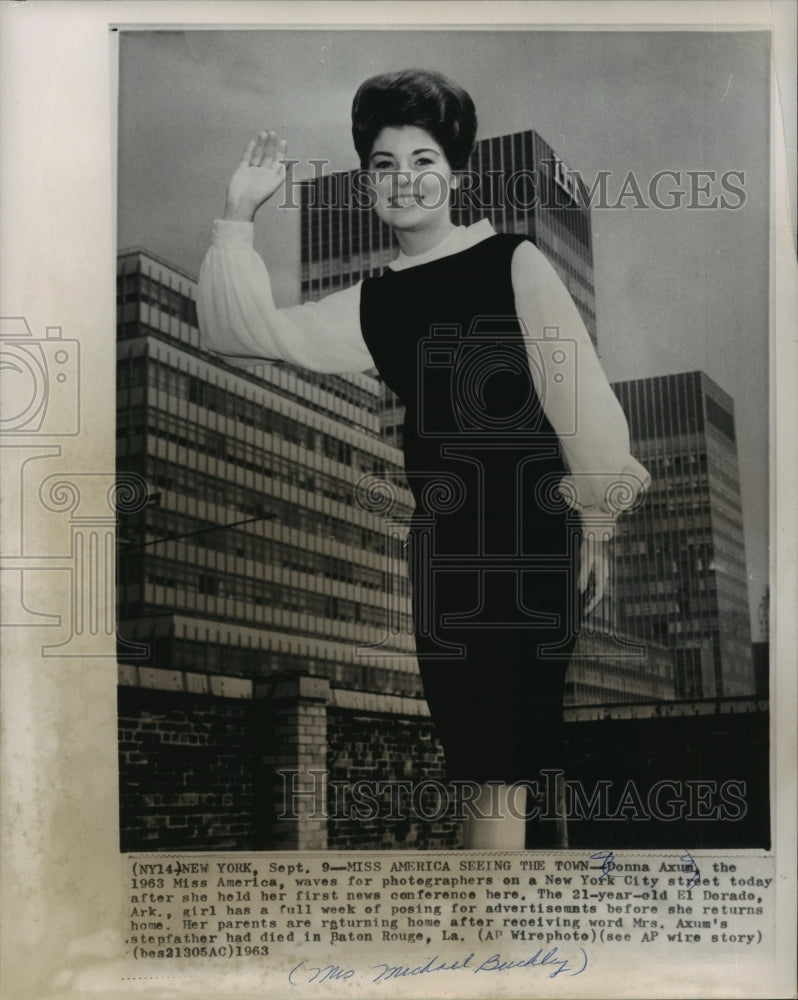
{"points": [[682, 577], [254, 553]]}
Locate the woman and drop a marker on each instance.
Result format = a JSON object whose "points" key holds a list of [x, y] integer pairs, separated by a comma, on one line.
{"points": [[459, 328]]}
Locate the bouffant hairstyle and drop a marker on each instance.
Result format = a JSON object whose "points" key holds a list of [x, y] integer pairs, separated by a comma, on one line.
{"points": [[415, 97]]}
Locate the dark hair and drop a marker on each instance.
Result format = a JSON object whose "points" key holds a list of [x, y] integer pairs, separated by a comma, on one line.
{"points": [[415, 97]]}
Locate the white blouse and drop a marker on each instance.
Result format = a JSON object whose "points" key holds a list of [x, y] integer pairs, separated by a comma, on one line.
{"points": [[240, 322]]}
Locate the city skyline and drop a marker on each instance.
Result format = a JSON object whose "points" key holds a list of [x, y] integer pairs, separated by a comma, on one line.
{"points": [[676, 290]]}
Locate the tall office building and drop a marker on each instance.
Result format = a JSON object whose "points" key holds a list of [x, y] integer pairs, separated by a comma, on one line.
{"points": [[520, 184], [254, 554], [681, 574]]}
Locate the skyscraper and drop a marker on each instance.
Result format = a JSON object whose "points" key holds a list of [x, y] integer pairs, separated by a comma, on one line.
{"points": [[681, 574], [254, 554], [520, 184]]}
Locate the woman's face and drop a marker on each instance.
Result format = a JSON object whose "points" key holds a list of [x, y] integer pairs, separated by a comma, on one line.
{"points": [[411, 177]]}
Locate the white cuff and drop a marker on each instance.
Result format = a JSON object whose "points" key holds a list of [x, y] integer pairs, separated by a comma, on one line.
{"points": [[232, 233], [606, 495]]}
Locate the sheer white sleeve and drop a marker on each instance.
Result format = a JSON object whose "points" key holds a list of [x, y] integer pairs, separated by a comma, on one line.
{"points": [[239, 321], [574, 392]]}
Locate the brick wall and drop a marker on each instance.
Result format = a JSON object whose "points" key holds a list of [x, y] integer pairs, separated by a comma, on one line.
{"points": [[185, 771], [201, 758], [378, 749], [291, 721]]}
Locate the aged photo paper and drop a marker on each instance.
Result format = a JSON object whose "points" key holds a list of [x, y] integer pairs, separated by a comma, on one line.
{"points": [[220, 775]]}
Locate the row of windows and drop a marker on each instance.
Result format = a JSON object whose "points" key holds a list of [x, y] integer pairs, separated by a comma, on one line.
{"points": [[227, 587], [681, 513], [247, 456], [719, 417], [215, 658], [252, 459], [131, 371], [201, 487], [168, 529], [572, 226], [136, 287], [671, 405], [663, 562], [690, 668], [228, 404], [335, 222], [662, 407], [596, 659], [198, 651], [698, 558], [593, 694], [677, 487], [678, 462], [721, 477]]}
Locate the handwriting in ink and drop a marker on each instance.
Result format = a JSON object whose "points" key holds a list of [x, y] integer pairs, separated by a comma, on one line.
{"points": [[495, 963], [300, 976], [691, 868], [433, 965], [305, 974], [607, 859]]}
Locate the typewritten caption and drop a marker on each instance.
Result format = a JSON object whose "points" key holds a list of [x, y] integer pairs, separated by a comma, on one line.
{"points": [[324, 918]]}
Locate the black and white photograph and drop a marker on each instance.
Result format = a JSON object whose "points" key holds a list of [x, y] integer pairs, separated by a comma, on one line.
{"points": [[503, 579], [399, 528]]}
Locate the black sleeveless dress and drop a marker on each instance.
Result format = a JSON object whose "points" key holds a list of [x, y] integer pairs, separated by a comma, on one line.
{"points": [[493, 550]]}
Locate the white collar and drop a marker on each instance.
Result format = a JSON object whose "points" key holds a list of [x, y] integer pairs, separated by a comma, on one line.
{"points": [[460, 238]]}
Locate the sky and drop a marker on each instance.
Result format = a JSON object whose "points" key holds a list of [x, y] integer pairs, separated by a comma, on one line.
{"points": [[676, 289]]}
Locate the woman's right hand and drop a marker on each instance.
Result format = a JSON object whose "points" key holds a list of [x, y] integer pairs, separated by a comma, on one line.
{"points": [[259, 174]]}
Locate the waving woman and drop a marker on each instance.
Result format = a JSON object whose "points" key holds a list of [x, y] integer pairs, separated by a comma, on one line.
{"points": [[523, 423]]}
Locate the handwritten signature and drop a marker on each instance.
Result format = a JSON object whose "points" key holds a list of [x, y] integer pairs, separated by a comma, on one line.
{"points": [[304, 974]]}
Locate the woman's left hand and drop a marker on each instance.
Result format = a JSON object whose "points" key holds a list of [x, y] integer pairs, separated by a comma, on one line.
{"points": [[594, 565]]}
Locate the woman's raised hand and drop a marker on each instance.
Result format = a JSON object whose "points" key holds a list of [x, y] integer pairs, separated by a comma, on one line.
{"points": [[259, 174]]}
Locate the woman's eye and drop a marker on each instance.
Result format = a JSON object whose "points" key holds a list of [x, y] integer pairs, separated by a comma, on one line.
{"points": [[383, 165]]}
